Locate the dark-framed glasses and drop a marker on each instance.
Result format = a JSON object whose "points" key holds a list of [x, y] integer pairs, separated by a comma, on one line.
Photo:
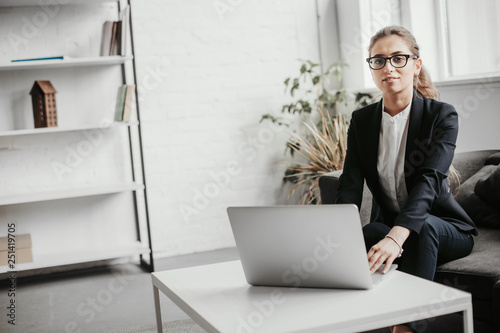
{"points": [[397, 61]]}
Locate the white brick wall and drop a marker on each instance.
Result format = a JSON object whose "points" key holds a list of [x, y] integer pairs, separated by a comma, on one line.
{"points": [[205, 78]]}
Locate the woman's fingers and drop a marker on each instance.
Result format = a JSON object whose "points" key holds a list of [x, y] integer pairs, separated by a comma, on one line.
{"points": [[381, 252]]}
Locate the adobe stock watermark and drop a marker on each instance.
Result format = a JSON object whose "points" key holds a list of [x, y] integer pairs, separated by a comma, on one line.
{"points": [[150, 81], [31, 26], [89, 309], [417, 157], [248, 150], [293, 277], [222, 7], [75, 154], [472, 102], [436, 306]]}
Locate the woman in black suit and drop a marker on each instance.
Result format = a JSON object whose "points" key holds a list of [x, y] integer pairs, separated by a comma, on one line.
{"points": [[403, 147]]}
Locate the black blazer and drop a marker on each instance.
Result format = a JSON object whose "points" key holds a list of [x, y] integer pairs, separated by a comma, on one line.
{"points": [[430, 146]]}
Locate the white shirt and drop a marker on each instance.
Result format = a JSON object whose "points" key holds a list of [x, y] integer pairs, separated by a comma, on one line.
{"points": [[391, 156]]}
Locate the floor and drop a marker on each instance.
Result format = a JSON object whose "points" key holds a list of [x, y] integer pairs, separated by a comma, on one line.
{"points": [[118, 296]]}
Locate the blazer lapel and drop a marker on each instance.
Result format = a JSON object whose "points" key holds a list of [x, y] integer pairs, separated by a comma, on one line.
{"points": [[373, 138], [412, 159]]}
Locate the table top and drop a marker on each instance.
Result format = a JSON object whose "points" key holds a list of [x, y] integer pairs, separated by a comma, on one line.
{"points": [[219, 299]]}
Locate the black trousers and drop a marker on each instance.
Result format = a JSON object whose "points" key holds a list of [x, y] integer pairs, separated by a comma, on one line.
{"points": [[437, 243]]}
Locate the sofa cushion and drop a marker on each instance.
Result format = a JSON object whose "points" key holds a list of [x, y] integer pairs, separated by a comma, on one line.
{"points": [[478, 273], [488, 188], [480, 211], [494, 159], [468, 163], [484, 259]]}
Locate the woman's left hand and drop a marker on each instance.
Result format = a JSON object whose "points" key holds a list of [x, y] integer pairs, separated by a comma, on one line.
{"points": [[387, 250], [384, 251]]}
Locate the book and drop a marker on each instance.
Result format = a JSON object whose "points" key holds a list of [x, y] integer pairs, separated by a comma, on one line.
{"points": [[107, 32], [114, 35], [21, 242], [118, 40], [124, 18], [114, 32], [128, 102], [120, 102], [124, 102], [21, 256], [38, 59], [22, 248]]}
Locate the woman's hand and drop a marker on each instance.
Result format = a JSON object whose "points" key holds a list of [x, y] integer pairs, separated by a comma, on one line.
{"points": [[387, 250]]}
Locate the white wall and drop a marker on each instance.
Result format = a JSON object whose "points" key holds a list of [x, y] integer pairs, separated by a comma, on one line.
{"points": [[207, 71], [477, 101], [478, 107]]}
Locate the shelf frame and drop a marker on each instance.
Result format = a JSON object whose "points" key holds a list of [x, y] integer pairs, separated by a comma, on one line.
{"points": [[147, 265]]}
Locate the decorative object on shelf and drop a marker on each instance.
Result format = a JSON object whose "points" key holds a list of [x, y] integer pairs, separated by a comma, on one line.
{"points": [[43, 96], [318, 146]]}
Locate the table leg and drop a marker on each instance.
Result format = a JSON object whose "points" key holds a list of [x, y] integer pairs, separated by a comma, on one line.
{"points": [[468, 320], [159, 325]]}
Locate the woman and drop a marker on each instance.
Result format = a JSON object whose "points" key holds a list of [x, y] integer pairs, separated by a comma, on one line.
{"points": [[403, 147]]}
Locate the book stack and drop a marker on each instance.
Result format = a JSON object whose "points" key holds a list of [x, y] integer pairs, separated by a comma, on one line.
{"points": [[124, 102], [22, 249], [114, 35]]}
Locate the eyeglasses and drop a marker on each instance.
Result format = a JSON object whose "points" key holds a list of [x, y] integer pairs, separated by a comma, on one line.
{"points": [[397, 61]]}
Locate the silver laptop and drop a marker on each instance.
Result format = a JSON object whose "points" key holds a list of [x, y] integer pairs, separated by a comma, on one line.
{"points": [[319, 246]]}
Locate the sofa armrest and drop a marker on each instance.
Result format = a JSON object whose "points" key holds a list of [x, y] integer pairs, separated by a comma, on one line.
{"points": [[328, 185], [496, 302]]}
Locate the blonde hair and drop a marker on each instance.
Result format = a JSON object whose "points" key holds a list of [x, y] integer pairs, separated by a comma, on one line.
{"points": [[422, 82]]}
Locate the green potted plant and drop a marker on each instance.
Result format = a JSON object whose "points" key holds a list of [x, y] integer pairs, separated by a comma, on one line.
{"points": [[318, 145]]}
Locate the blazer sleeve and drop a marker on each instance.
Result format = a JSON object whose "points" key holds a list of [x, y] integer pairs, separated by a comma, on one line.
{"points": [[428, 166], [351, 181]]}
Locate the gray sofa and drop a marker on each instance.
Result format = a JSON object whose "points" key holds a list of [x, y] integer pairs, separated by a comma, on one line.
{"points": [[479, 195]]}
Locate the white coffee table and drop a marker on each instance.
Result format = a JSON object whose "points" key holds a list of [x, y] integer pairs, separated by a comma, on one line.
{"points": [[219, 299]]}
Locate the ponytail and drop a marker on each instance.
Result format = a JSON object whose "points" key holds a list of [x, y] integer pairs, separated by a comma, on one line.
{"points": [[423, 85]]}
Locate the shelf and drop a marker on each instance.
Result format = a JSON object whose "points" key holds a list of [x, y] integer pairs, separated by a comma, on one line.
{"points": [[65, 129], [62, 63], [22, 3], [83, 191], [76, 257]]}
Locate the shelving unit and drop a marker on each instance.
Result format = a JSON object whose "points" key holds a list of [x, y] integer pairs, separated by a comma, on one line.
{"points": [[79, 188]]}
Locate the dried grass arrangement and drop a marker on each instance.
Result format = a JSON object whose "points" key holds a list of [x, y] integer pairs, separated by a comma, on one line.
{"points": [[320, 142], [323, 146]]}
